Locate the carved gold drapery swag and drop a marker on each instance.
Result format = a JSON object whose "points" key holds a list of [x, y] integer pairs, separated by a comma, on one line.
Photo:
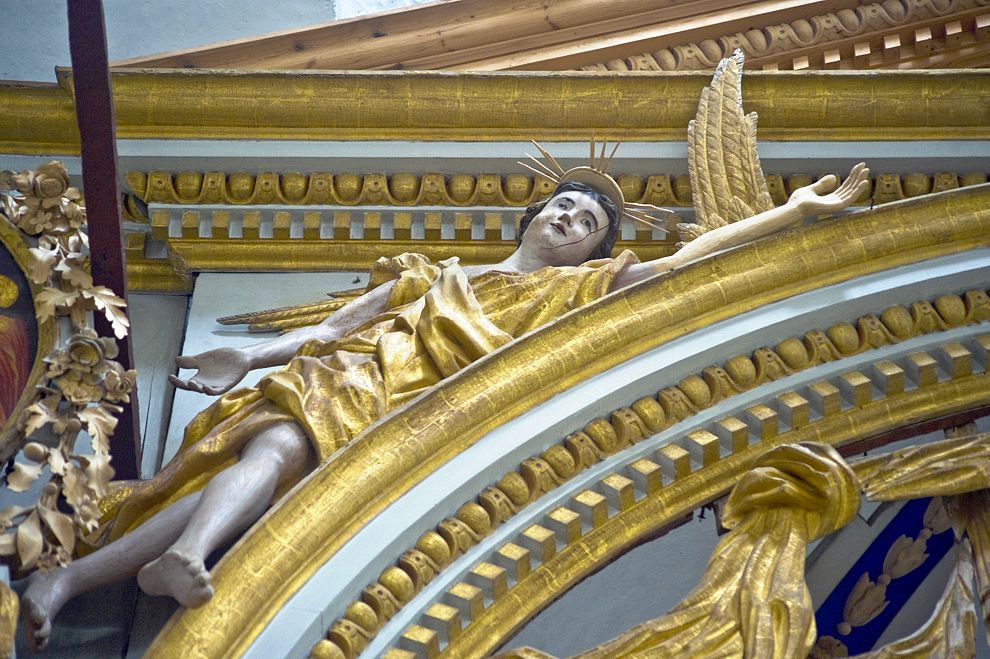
{"points": [[752, 600]]}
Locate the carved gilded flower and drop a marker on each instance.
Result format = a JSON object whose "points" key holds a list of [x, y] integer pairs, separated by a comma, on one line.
{"points": [[119, 383], [79, 388], [84, 354], [33, 221], [75, 214], [49, 182]]}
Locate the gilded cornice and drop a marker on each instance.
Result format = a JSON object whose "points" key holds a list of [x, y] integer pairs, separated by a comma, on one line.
{"points": [[401, 195], [258, 575], [465, 190], [158, 275], [539, 474], [407, 105], [875, 35]]}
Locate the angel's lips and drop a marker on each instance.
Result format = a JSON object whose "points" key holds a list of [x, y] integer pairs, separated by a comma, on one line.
{"points": [[559, 227]]}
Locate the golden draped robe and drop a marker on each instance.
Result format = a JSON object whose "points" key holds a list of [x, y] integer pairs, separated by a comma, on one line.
{"points": [[436, 322]]}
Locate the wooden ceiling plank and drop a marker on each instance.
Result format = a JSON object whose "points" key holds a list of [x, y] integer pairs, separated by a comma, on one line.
{"points": [[385, 41], [610, 39], [427, 24], [652, 33], [863, 50]]}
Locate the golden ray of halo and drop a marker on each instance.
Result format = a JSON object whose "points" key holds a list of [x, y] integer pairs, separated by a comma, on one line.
{"points": [[608, 162], [536, 171], [549, 172], [548, 156]]}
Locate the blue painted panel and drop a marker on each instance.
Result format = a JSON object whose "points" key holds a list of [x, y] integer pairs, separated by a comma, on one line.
{"points": [[909, 521]]}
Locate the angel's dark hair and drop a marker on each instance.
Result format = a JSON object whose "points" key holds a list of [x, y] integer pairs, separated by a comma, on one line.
{"points": [[604, 249]]}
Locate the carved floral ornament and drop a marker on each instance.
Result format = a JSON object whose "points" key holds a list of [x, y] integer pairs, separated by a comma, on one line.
{"points": [[80, 386]]}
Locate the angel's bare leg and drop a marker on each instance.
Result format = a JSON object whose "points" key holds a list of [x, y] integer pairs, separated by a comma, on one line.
{"points": [[47, 592], [232, 501]]}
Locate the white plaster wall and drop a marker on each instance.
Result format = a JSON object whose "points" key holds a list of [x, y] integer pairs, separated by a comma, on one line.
{"points": [[642, 585], [349, 8], [34, 34]]}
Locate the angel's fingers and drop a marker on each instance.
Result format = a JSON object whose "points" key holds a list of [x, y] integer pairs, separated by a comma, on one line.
{"points": [[854, 183], [848, 187], [862, 188], [185, 361], [824, 184], [188, 385], [179, 382], [859, 174]]}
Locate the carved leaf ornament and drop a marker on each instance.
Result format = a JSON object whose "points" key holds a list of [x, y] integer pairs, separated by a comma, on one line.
{"points": [[82, 385]]}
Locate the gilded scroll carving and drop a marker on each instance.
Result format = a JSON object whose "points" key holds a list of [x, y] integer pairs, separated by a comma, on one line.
{"points": [[9, 608], [971, 517], [784, 41]]}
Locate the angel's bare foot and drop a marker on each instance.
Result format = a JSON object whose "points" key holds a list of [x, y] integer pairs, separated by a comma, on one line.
{"points": [[178, 575], [45, 595]]}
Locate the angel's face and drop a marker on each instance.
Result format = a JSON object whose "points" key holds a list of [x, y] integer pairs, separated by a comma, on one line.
{"points": [[568, 229]]}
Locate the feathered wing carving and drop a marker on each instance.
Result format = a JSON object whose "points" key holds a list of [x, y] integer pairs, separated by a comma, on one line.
{"points": [[284, 319], [727, 182]]}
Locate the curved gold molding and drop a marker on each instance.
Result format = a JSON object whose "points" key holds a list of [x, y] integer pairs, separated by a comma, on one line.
{"points": [[437, 189], [391, 105], [260, 573], [539, 474], [626, 529], [14, 241]]}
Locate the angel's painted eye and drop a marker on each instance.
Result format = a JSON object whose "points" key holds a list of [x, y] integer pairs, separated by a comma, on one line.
{"points": [[587, 223]]}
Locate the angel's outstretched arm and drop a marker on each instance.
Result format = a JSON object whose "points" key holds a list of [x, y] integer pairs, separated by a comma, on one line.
{"points": [[804, 202], [219, 370]]}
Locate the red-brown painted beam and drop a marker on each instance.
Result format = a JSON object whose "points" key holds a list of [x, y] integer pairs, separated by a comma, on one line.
{"points": [[95, 116]]}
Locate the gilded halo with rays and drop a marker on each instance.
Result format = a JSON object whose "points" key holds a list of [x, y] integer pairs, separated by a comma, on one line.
{"points": [[595, 175]]}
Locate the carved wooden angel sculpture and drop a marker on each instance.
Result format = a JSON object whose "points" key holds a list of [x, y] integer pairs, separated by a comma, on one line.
{"points": [[417, 323]]}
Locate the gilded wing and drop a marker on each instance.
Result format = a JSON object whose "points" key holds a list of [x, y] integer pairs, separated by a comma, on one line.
{"points": [[284, 319], [727, 183]]}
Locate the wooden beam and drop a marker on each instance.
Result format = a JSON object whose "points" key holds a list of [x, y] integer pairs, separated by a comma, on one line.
{"points": [[461, 32], [95, 116]]}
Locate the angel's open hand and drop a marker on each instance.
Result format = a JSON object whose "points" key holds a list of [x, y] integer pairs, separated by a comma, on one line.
{"points": [[810, 199], [217, 370]]}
